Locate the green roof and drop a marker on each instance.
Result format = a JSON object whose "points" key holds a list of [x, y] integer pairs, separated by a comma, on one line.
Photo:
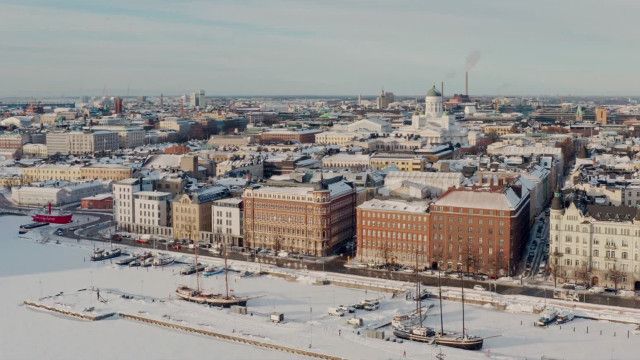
{"points": [[433, 92]]}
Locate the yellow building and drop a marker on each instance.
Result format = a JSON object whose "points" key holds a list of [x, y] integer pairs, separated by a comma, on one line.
{"points": [[602, 115], [499, 129], [192, 212], [403, 162], [76, 173]]}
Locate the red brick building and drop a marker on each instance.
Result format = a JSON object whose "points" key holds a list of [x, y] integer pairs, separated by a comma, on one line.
{"points": [[177, 150], [480, 229], [97, 202], [393, 232], [288, 136]]}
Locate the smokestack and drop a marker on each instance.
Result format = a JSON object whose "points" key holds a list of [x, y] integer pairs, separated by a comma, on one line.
{"points": [[466, 83], [442, 89]]}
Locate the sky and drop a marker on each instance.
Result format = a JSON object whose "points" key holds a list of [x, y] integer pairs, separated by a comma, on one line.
{"points": [[318, 47]]}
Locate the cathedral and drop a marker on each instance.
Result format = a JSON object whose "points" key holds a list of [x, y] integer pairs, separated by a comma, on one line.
{"points": [[436, 125]]}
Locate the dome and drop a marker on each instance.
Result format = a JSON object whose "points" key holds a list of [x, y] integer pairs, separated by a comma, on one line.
{"points": [[433, 92]]}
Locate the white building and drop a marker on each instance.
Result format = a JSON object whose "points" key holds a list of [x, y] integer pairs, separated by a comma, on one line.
{"points": [[368, 126], [346, 161], [123, 201], [151, 209], [431, 184], [43, 195], [336, 137], [435, 125], [227, 221], [598, 245]]}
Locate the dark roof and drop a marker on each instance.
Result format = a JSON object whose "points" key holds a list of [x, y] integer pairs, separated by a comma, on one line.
{"points": [[611, 213]]}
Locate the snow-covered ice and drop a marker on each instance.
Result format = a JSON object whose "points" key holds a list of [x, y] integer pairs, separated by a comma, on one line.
{"points": [[29, 270]]}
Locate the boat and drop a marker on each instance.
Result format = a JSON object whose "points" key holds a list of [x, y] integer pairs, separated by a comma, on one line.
{"points": [[201, 297], [163, 260], [192, 269], [101, 254], [135, 263], [460, 341], [126, 261], [23, 229], [564, 317], [147, 262], [52, 216], [415, 333], [410, 327], [212, 270], [547, 318]]}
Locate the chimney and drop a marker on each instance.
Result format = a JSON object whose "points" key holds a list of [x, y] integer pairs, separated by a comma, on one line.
{"points": [[442, 89], [466, 83]]}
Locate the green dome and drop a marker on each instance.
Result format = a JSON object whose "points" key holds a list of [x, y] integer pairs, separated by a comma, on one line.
{"points": [[433, 92]]}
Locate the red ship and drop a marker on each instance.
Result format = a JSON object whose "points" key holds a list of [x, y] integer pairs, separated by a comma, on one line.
{"points": [[53, 217]]}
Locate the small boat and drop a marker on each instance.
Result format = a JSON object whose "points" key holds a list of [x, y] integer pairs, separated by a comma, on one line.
{"points": [[459, 341], [191, 269], [212, 270], [135, 263], [101, 254], [147, 262], [200, 297], [163, 260], [547, 318], [415, 333], [564, 317], [23, 229], [126, 261]]}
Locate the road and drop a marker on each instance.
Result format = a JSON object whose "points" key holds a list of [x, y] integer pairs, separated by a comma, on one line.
{"points": [[90, 231]]}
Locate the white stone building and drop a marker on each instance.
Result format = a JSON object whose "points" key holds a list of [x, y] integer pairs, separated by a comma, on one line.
{"points": [[227, 221]]}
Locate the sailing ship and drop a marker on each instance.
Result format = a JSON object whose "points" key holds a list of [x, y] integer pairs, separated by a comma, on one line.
{"points": [[201, 297], [404, 328], [456, 340]]}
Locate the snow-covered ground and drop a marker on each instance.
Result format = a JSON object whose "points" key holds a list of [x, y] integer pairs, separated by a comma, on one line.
{"points": [[29, 270]]}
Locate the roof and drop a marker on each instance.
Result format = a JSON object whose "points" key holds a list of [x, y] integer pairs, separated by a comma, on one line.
{"points": [[507, 200], [395, 205], [433, 92], [611, 213]]}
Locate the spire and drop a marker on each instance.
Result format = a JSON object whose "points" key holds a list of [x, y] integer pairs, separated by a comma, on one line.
{"points": [[557, 203]]}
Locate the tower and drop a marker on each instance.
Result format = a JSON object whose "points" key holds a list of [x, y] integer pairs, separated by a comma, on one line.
{"points": [[433, 103]]}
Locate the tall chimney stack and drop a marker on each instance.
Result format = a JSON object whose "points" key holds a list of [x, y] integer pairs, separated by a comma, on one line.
{"points": [[466, 83], [442, 89]]}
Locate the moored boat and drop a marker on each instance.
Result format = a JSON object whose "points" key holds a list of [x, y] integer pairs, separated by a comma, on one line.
{"points": [[163, 260], [459, 341], [192, 269], [200, 297], [416, 333], [52, 216], [101, 254], [547, 318], [564, 317], [212, 270], [126, 261]]}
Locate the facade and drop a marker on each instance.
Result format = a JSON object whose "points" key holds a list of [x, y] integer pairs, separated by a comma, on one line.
{"points": [[346, 161], [308, 220], [81, 143], [12, 140], [402, 162], [123, 195], [595, 244], [192, 212], [479, 229], [70, 193], [284, 136], [393, 232], [336, 137], [76, 173], [227, 221], [152, 211], [97, 202], [35, 150]]}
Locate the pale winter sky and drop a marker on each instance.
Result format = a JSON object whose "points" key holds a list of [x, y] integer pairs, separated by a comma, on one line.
{"points": [[350, 47]]}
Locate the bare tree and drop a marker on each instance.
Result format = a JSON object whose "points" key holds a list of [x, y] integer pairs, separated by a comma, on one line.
{"points": [[616, 276], [583, 275]]}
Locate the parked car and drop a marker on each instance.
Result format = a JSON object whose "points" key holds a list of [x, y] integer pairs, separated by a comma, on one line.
{"points": [[479, 288]]}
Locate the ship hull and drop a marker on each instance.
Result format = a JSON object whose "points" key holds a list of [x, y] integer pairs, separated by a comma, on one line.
{"points": [[406, 335], [53, 219], [459, 343], [214, 300]]}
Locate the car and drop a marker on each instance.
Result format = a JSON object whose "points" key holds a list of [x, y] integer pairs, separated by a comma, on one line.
{"points": [[479, 288], [609, 290], [347, 309]]}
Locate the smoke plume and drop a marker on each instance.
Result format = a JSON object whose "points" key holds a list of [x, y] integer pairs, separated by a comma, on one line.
{"points": [[472, 60]]}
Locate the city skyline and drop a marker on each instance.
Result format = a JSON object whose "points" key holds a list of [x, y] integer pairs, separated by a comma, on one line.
{"points": [[316, 48]]}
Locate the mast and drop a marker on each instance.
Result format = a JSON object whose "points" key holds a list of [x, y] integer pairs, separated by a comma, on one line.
{"points": [[226, 276], [440, 298], [462, 286], [195, 251]]}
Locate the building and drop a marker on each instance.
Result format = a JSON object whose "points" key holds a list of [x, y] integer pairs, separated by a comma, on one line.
{"points": [[288, 136], [197, 98], [227, 221], [393, 232], [152, 212], [118, 106], [480, 229], [602, 114], [97, 202], [430, 184], [192, 212], [81, 143], [595, 244], [56, 195], [113, 172], [368, 126], [35, 150], [402, 162], [312, 220], [336, 137], [123, 201], [384, 99], [354, 162], [12, 140]]}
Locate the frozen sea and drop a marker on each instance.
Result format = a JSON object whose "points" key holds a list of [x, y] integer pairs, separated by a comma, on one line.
{"points": [[30, 270]]}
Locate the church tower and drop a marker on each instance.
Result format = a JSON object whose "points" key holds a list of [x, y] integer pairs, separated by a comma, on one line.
{"points": [[433, 103]]}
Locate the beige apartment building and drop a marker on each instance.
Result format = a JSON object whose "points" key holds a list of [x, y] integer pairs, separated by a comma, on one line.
{"points": [[192, 212], [111, 172]]}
